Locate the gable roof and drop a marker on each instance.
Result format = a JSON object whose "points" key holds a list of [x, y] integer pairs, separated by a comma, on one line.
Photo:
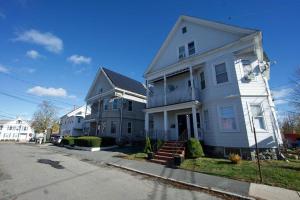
{"points": [[208, 23], [119, 81], [124, 82]]}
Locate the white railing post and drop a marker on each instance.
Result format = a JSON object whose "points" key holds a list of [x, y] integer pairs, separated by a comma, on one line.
{"points": [[165, 90], [195, 122], [192, 82]]}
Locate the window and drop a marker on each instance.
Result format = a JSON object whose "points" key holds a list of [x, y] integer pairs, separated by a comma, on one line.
{"points": [[1, 127], [115, 104], [202, 80], [206, 119], [78, 120], [191, 48], [25, 128], [129, 105], [181, 52], [221, 73], [227, 118], [258, 118], [105, 104], [184, 30], [129, 127], [198, 120], [113, 128]]}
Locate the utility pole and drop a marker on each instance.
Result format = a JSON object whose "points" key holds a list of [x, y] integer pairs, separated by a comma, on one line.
{"points": [[256, 150]]}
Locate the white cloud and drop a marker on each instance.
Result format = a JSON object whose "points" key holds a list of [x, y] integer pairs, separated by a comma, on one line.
{"points": [[280, 95], [3, 69], [33, 54], [48, 40], [43, 91], [77, 59]]}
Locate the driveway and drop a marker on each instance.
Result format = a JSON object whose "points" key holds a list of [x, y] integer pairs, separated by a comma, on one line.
{"points": [[32, 172]]}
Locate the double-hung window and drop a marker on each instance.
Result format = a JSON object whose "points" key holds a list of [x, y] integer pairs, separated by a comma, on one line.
{"points": [[105, 104], [221, 73], [115, 104], [113, 127], [129, 127], [258, 117], [206, 119], [202, 80], [129, 105], [191, 48], [228, 119], [181, 52]]}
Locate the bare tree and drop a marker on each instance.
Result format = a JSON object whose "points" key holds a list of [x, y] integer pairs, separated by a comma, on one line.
{"points": [[45, 117], [295, 96]]}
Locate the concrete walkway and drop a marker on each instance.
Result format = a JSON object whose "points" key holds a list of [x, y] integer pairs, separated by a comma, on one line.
{"points": [[240, 189]]}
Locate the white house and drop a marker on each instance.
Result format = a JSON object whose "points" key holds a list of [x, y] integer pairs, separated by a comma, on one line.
{"points": [[15, 130], [209, 80], [72, 123]]}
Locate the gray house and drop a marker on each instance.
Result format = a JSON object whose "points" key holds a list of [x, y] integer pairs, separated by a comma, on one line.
{"points": [[116, 103]]}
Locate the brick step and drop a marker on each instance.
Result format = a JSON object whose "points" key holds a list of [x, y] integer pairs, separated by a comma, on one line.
{"points": [[172, 148], [170, 151], [159, 157], [162, 162], [162, 153]]}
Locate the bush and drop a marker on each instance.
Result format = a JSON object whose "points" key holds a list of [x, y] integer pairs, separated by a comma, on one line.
{"points": [[160, 143], [68, 141], [235, 158], [107, 141], [194, 148], [88, 141], [148, 147]]}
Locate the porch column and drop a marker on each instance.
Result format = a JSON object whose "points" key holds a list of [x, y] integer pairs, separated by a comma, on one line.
{"points": [[146, 124], [147, 93], [165, 90], [195, 122], [165, 124], [192, 83]]}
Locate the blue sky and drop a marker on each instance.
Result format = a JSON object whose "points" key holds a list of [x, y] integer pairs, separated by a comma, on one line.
{"points": [[52, 49]]}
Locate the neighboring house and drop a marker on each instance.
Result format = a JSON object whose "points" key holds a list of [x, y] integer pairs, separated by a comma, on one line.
{"points": [[292, 139], [72, 123], [117, 103], [208, 80], [15, 130]]}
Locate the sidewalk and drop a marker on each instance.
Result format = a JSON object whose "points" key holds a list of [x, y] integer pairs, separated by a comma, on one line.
{"points": [[239, 189]]}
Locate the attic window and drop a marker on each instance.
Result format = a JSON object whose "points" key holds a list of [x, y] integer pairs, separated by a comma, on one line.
{"points": [[184, 30]]}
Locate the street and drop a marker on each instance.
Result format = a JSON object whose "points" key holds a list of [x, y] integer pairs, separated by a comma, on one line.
{"points": [[31, 172]]}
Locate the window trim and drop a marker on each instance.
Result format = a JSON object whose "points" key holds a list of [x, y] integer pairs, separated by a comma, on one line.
{"points": [[178, 53], [235, 118], [263, 116], [206, 126], [215, 75], [200, 80]]}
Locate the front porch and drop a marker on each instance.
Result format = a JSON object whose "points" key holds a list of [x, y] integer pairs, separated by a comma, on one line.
{"points": [[177, 122]]}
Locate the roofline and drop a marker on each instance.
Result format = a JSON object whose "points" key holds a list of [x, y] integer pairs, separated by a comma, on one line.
{"points": [[214, 24], [73, 110]]}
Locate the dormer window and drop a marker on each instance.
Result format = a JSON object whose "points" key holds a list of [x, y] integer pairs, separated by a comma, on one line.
{"points": [[181, 52], [191, 48], [184, 30]]}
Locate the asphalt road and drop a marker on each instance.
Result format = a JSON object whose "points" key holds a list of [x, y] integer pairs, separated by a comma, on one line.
{"points": [[30, 172]]}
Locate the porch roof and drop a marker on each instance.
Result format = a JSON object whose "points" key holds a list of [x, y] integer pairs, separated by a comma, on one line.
{"points": [[177, 106]]}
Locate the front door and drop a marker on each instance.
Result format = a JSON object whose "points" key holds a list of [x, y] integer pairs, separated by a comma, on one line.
{"points": [[182, 127]]}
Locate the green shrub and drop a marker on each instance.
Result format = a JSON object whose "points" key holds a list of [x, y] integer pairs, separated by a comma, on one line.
{"points": [[107, 141], [148, 147], [160, 143], [88, 141], [194, 148], [68, 141]]}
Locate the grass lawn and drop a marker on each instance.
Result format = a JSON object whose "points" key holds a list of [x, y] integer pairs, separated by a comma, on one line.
{"points": [[137, 156], [276, 173]]}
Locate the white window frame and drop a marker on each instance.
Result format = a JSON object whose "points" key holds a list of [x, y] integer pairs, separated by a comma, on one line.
{"points": [[188, 50], [184, 52], [235, 118], [263, 117], [215, 75], [206, 121], [200, 80]]}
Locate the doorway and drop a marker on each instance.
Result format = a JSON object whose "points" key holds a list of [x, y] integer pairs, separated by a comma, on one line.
{"points": [[182, 127]]}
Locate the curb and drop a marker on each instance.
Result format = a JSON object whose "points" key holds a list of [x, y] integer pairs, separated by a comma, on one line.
{"points": [[185, 183]]}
